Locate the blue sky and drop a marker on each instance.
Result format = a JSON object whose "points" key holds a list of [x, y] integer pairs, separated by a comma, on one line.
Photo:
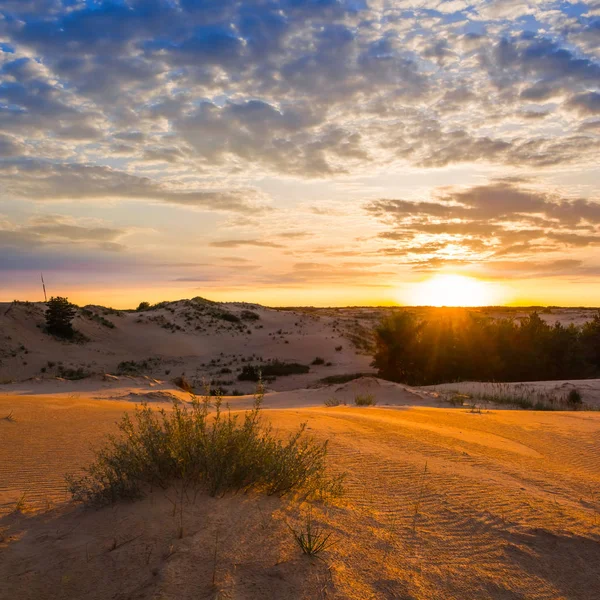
{"points": [[299, 152]]}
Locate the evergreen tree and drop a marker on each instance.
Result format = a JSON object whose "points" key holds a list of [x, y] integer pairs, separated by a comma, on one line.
{"points": [[59, 315]]}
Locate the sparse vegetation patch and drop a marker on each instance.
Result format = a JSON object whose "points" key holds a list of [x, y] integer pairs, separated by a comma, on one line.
{"points": [[275, 368]]}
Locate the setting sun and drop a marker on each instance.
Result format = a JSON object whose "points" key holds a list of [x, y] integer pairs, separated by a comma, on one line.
{"points": [[454, 290]]}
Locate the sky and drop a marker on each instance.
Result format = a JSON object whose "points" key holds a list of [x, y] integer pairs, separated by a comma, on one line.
{"points": [[300, 152]]}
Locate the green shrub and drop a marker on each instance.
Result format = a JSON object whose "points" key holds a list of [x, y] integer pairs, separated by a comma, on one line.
{"points": [[365, 400], [143, 306], [221, 451], [312, 540], [318, 361]]}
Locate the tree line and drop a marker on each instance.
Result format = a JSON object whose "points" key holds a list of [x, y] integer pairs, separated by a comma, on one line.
{"points": [[464, 346]]}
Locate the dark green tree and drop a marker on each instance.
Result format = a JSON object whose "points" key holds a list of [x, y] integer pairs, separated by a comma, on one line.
{"points": [[59, 317]]}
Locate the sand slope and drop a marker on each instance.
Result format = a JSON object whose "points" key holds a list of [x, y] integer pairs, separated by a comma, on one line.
{"points": [[440, 503], [183, 337]]}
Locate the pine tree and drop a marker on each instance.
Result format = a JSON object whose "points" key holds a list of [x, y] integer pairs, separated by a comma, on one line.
{"points": [[59, 314]]}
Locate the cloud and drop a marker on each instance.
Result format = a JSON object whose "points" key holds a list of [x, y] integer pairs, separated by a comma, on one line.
{"points": [[586, 104], [239, 243], [207, 105], [55, 230], [487, 221], [43, 181]]}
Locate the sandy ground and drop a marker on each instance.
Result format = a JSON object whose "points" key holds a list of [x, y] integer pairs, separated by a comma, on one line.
{"points": [[440, 503]]}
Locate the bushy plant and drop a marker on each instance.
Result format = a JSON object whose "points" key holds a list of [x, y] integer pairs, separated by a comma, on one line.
{"points": [[365, 400], [183, 383], [275, 368], [331, 402], [574, 397], [318, 361], [249, 315], [218, 450]]}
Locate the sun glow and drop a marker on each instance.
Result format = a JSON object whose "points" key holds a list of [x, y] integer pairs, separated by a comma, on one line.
{"points": [[454, 290]]}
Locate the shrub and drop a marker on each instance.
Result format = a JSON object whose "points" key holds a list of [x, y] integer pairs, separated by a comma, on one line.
{"points": [[227, 316], [574, 398], [73, 374], [221, 451], [59, 315], [332, 379], [272, 369], [249, 315], [183, 383], [365, 400], [332, 402], [338, 348], [318, 361], [137, 367], [143, 306]]}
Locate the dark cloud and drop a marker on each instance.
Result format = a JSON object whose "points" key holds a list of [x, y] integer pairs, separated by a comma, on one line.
{"points": [[586, 104]]}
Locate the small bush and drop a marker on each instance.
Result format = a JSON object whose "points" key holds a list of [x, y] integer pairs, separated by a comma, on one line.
{"points": [[574, 398], [143, 306], [220, 451], [272, 369], [227, 316], [338, 348], [73, 374], [365, 400], [458, 399], [332, 402], [318, 361], [183, 383], [249, 315], [333, 379]]}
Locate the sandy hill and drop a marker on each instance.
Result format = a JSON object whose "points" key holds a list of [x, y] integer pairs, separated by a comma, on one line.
{"points": [[196, 337]]}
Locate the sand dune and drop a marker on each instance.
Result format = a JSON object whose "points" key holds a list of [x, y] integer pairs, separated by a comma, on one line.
{"points": [[195, 338], [439, 503]]}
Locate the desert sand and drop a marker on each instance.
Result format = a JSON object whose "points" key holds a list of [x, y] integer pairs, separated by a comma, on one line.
{"points": [[439, 503]]}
